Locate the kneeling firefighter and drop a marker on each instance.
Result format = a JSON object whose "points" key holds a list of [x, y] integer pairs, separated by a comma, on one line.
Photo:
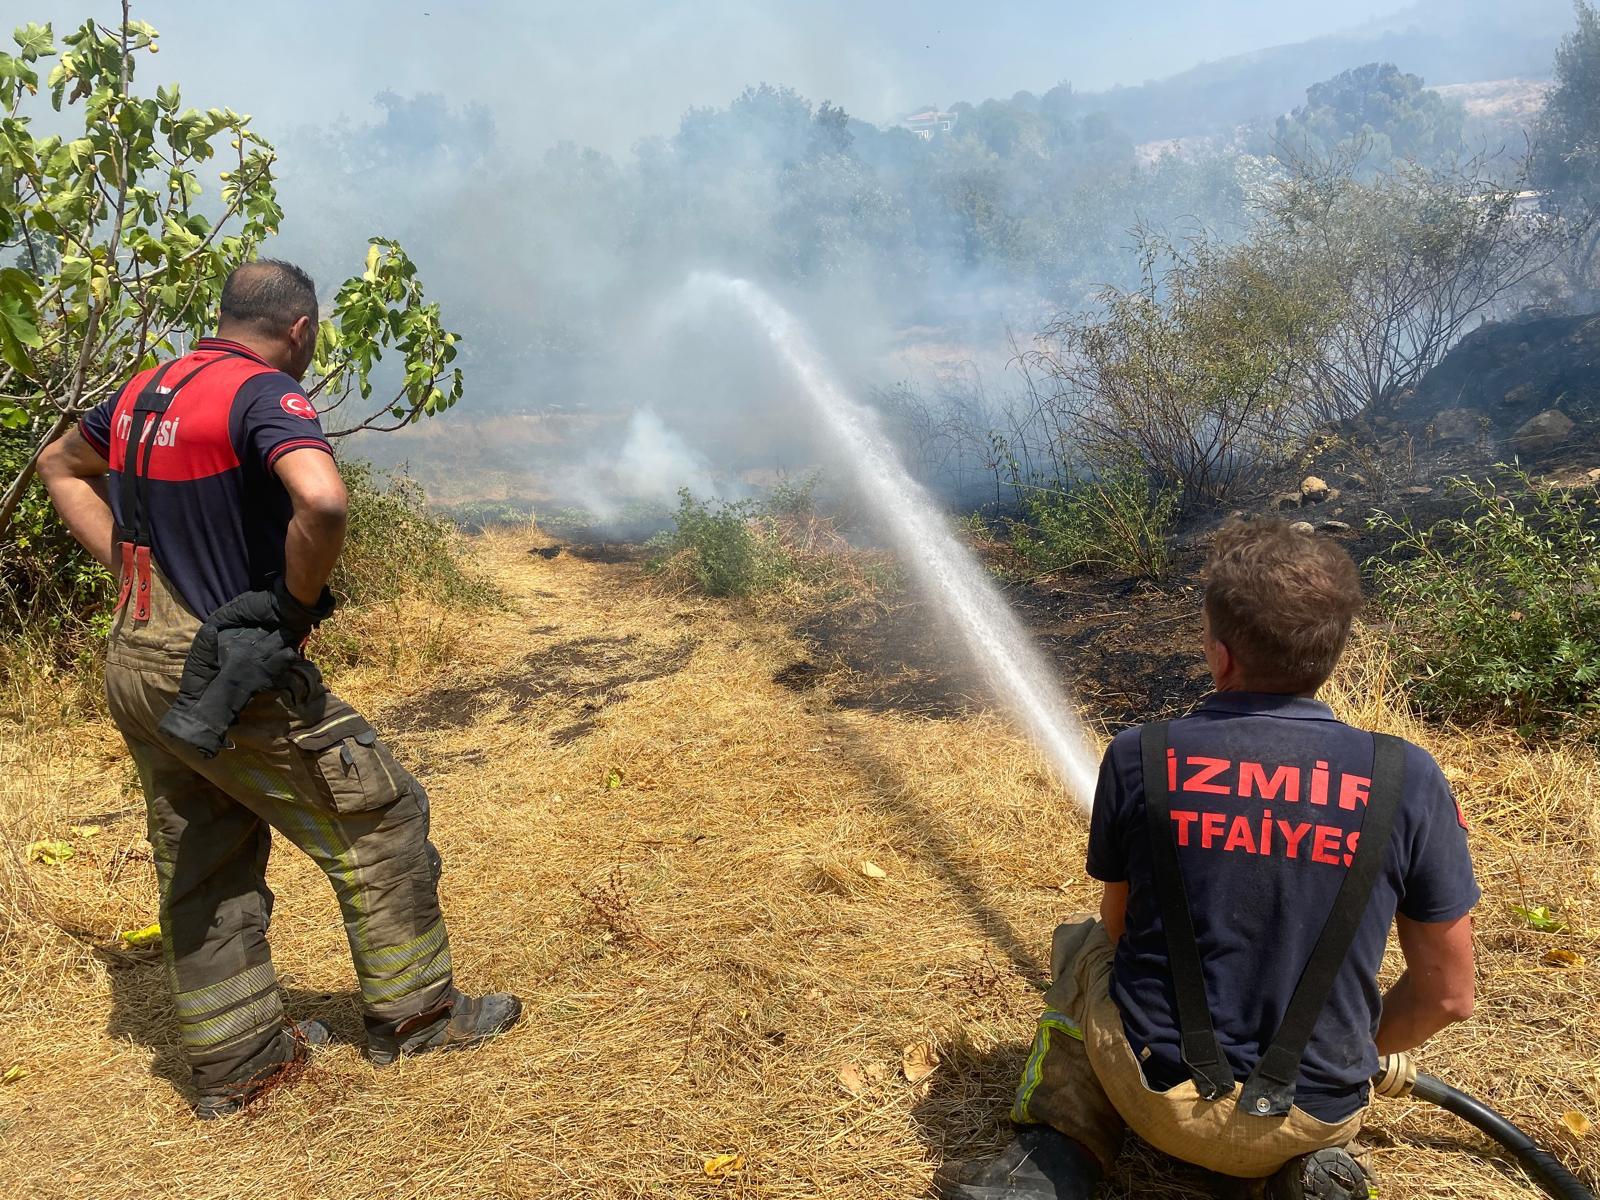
{"points": [[207, 485], [1254, 856]]}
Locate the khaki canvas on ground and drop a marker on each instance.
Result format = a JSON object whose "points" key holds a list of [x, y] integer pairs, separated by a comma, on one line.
{"points": [[769, 947]]}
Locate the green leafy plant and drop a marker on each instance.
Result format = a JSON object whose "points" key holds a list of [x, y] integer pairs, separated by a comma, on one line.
{"points": [[727, 555], [113, 252], [1497, 613], [46, 581], [780, 544], [1540, 918], [395, 544], [793, 497], [1115, 521]]}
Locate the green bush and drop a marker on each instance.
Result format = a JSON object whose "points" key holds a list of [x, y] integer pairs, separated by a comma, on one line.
{"points": [[793, 497], [49, 586], [396, 545], [726, 553], [1497, 613], [1114, 522]]}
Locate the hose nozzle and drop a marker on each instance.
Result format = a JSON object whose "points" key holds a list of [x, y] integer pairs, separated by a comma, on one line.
{"points": [[1396, 1076]]}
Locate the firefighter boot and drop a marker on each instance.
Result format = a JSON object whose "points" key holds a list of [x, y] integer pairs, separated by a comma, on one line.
{"points": [[288, 1049], [1041, 1164], [1330, 1174], [459, 1022]]}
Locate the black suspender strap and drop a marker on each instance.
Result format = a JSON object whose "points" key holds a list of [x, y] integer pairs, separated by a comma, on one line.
{"points": [[1212, 1076], [151, 402], [133, 535], [1269, 1092]]}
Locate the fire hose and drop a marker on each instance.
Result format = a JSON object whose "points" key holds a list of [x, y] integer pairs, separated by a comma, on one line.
{"points": [[1398, 1077]]}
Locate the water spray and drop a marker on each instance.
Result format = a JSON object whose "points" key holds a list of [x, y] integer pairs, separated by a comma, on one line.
{"points": [[953, 579], [950, 575]]}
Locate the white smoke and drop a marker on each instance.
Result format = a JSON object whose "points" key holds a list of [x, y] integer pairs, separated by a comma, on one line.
{"points": [[650, 463]]}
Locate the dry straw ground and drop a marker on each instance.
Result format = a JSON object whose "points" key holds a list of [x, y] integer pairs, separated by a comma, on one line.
{"points": [[667, 855]]}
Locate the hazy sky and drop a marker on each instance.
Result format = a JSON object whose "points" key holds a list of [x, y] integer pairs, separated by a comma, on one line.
{"points": [[604, 72]]}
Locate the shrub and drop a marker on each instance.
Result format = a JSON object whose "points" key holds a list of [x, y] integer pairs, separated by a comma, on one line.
{"points": [[718, 542], [49, 586], [1193, 375], [396, 545], [1497, 613], [1114, 522], [793, 497], [782, 547]]}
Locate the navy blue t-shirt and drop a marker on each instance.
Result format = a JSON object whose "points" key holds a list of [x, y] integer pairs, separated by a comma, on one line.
{"points": [[1268, 795], [218, 513]]}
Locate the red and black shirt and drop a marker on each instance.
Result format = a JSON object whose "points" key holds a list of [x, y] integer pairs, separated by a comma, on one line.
{"points": [[215, 512]]}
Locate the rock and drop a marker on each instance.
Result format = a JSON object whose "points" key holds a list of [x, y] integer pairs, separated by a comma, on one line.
{"points": [[1303, 527], [1287, 500], [1519, 395], [1333, 494], [1488, 368], [1417, 490], [1545, 432], [1313, 489], [1456, 425], [1355, 483], [1594, 475], [1334, 527]]}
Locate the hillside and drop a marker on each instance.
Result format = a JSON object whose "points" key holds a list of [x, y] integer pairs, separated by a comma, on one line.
{"points": [[1444, 41]]}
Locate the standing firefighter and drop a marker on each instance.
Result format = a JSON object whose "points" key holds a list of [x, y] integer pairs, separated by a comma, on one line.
{"points": [[1254, 856], [209, 488]]}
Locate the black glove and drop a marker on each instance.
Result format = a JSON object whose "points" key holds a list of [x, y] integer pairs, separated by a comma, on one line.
{"points": [[275, 608], [295, 618], [245, 662], [250, 645]]}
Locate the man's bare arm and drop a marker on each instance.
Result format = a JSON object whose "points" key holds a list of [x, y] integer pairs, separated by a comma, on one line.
{"points": [[1436, 989], [316, 531], [1114, 910], [75, 476]]}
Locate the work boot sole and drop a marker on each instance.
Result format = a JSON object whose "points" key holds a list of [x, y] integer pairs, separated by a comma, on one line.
{"points": [[387, 1058]]}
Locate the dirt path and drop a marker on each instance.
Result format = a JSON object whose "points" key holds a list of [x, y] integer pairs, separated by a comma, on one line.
{"points": [[713, 891]]}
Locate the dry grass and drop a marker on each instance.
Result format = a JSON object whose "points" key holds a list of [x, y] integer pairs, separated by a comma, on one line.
{"points": [[677, 890]]}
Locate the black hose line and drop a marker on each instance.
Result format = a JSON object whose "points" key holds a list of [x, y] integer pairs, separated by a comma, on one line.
{"points": [[1549, 1174]]}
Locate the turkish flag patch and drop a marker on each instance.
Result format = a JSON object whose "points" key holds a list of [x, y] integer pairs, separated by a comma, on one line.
{"points": [[297, 405]]}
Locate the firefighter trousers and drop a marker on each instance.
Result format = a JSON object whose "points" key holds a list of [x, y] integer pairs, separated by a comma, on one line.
{"points": [[1083, 1079], [318, 775]]}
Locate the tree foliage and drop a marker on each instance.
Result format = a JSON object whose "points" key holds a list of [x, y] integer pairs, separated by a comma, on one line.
{"points": [[1566, 149], [114, 244], [1379, 109], [1566, 161], [1193, 374], [1415, 255], [119, 247]]}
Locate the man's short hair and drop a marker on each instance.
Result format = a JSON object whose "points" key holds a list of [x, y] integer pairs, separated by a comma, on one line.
{"points": [[1282, 601], [268, 294]]}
